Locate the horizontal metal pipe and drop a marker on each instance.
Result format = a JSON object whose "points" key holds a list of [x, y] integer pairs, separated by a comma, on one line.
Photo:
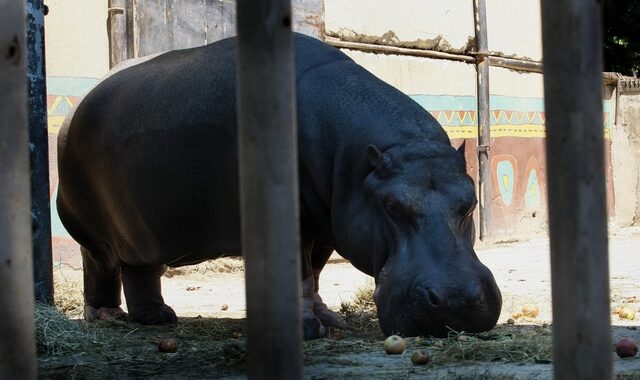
{"points": [[398, 50], [515, 64]]}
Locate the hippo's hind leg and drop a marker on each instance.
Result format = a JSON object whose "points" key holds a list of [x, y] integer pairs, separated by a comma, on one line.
{"points": [[142, 291], [102, 286]]}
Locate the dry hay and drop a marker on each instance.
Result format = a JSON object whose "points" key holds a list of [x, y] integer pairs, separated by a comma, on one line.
{"points": [[509, 343], [71, 348], [361, 313], [528, 343], [69, 296], [56, 334], [209, 267]]}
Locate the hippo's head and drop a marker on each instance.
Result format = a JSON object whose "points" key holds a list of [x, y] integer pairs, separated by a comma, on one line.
{"points": [[428, 278]]}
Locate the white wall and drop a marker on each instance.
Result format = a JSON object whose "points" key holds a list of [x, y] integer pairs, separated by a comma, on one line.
{"points": [[76, 38], [409, 19], [514, 27], [513, 83], [414, 75]]}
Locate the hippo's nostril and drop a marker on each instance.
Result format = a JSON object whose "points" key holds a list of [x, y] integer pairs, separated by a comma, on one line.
{"points": [[433, 299]]}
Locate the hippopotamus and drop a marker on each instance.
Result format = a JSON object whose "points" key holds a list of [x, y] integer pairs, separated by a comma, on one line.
{"points": [[148, 178]]}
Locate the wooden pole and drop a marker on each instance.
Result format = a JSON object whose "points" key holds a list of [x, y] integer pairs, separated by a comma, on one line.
{"points": [[572, 50], [17, 336], [39, 152], [269, 189], [484, 119]]}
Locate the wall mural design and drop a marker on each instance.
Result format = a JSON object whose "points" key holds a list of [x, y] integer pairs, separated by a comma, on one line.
{"points": [[506, 179], [533, 189]]}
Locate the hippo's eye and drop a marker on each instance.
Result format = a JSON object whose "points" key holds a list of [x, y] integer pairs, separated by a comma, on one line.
{"points": [[466, 211], [397, 210]]}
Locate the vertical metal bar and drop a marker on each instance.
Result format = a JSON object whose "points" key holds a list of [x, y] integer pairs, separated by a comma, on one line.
{"points": [[17, 336], [572, 50], [39, 150], [117, 32], [129, 17], [269, 188], [484, 119]]}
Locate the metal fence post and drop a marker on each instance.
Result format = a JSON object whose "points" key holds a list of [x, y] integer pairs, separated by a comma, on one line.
{"points": [[117, 31], [269, 188], [17, 351], [484, 118], [572, 48], [39, 150]]}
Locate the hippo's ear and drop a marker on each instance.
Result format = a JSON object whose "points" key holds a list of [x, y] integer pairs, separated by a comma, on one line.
{"points": [[379, 160], [461, 149]]}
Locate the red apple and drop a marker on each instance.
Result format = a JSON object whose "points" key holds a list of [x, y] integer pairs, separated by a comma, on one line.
{"points": [[627, 348], [167, 345], [420, 357]]}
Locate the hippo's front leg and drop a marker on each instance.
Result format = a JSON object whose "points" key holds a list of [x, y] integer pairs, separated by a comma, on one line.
{"points": [[312, 327], [316, 315], [328, 317]]}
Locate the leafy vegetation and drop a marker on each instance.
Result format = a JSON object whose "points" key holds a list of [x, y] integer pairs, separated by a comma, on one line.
{"points": [[622, 36]]}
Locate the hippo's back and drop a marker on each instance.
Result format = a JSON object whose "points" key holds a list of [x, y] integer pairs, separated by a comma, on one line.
{"points": [[148, 164]]}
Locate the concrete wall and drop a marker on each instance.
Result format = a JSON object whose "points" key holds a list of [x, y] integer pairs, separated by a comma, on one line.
{"points": [[625, 157], [76, 38], [514, 28], [410, 20]]}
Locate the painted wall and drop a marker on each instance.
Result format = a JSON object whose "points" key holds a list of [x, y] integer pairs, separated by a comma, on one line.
{"points": [[77, 53], [447, 90], [76, 57]]}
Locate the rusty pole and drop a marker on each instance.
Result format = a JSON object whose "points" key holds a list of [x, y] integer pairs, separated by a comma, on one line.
{"points": [[572, 50], [17, 336], [39, 151], [484, 118], [269, 188]]}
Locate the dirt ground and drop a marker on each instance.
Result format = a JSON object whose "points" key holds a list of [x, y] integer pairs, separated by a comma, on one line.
{"points": [[215, 303]]}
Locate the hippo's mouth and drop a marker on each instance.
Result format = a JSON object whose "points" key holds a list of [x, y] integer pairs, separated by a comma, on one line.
{"points": [[412, 310]]}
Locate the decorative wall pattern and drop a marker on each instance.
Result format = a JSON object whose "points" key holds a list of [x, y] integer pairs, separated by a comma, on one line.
{"points": [[517, 154]]}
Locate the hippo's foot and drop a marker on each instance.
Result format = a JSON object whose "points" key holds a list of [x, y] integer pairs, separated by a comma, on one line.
{"points": [[328, 317], [92, 314], [313, 328], [152, 314]]}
